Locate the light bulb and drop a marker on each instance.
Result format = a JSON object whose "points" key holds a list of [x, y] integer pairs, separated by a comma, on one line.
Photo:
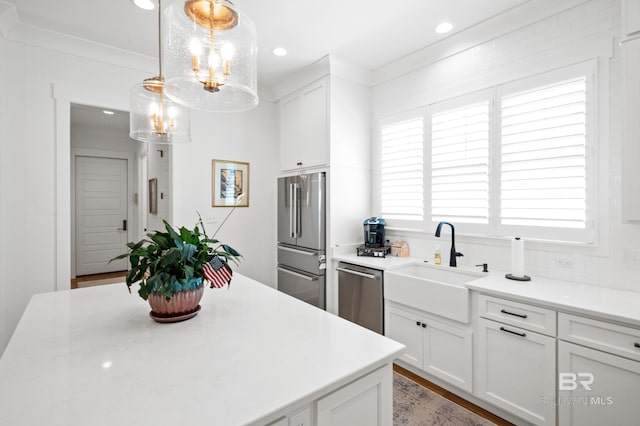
{"points": [[227, 51], [172, 112], [195, 46]]}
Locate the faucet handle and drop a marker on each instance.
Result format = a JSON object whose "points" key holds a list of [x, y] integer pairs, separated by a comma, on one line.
{"points": [[458, 254]]}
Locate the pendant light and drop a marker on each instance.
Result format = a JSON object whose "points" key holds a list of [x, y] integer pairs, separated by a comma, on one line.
{"points": [[211, 53], [153, 117]]}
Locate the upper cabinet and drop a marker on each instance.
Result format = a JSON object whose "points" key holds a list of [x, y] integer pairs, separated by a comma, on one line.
{"points": [[304, 127], [630, 53], [630, 18]]}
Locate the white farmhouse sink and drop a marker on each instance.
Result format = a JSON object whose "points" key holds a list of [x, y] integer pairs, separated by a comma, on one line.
{"points": [[439, 290]]}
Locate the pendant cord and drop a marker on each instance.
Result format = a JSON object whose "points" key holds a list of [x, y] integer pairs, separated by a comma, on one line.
{"points": [[160, 38]]}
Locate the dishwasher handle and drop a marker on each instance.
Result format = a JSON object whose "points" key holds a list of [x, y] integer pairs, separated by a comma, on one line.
{"points": [[358, 273]]}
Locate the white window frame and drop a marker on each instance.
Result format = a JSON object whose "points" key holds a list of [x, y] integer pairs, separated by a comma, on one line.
{"points": [[398, 224], [587, 235], [458, 102]]}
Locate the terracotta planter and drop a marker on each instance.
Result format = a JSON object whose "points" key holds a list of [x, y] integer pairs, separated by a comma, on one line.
{"points": [[182, 305]]}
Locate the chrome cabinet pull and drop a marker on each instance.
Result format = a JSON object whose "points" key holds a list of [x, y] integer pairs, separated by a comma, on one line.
{"points": [[297, 274], [360, 274], [515, 315], [512, 332]]}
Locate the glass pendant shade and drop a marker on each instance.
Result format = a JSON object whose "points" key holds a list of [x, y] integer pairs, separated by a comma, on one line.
{"points": [[155, 118], [210, 52]]}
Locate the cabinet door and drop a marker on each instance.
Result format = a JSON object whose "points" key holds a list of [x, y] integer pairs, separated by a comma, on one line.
{"points": [[367, 401], [614, 384], [291, 131], [406, 328], [448, 354], [517, 371], [631, 131], [315, 125]]}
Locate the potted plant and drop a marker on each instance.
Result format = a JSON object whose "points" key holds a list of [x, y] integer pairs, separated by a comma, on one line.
{"points": [[173, 266]]}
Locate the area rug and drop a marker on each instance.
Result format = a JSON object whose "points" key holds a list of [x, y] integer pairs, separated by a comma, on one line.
{"points": [[415, 405]]}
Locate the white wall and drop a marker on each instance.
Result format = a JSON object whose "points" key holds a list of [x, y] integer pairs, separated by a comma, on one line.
{"points": [[28, 175], [589, 30], [250, 137]]}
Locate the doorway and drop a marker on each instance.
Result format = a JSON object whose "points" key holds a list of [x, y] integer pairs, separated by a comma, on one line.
{"points": [[105, 183]]}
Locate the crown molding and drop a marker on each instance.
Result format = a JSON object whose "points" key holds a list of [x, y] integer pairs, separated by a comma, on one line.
{"points": [[490, 29], [12, 29]]}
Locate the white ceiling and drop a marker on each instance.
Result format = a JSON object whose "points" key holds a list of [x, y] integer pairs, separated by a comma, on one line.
{"points": [[368, 33]]}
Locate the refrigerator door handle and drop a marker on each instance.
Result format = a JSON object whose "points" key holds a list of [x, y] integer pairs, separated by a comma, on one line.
{"points": [[360, 274], [297, 274], [291, 211], [294, 233], [296, 251]]}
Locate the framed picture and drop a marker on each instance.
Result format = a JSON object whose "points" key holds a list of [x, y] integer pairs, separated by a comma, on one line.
{"points": [[229, 183], [153, 196]]}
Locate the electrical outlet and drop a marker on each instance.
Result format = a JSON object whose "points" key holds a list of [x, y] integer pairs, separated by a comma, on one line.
{"points": [[210, 219], [632, 257], [564, 263]]}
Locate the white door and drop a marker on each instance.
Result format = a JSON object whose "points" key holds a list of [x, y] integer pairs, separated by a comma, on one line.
{"points": [[101, 214]]}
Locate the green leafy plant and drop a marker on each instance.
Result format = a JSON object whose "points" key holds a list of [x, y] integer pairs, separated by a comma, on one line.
{"points": [[173, 261]]}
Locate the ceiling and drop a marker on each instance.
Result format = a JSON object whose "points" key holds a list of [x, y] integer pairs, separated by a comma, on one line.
{"points": [[367, 33], [84, 116]]}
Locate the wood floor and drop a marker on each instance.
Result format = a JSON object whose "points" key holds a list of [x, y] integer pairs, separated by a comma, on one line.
{"points": [[75, 281], [452, 397]]}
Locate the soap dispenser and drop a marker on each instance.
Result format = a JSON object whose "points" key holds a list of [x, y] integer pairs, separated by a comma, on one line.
{"points": [[437, 256]]}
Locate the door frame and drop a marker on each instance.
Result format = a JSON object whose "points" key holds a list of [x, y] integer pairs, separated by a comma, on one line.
{"points": [[97, 153]]}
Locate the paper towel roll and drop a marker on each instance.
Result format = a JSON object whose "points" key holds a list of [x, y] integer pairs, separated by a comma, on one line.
{"points": [[517, 257]]}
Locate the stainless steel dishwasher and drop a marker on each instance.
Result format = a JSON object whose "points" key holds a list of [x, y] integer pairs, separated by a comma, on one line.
{"points": [[360, 297]]}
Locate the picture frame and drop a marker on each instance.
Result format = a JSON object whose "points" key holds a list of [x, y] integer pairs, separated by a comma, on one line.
{"points": [[223, 194], [153, 196]]}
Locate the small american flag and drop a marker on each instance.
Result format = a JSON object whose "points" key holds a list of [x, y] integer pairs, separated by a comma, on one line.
{"points": [[217, 272]]}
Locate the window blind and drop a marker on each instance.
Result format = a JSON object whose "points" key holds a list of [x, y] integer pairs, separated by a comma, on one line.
{"points": [[402, 174], [460, 164], [543, 156]]}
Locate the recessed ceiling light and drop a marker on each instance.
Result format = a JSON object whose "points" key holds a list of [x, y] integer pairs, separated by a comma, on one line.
{"points": [[279, 51], [444, 27], [144, 4], [108, 112]]}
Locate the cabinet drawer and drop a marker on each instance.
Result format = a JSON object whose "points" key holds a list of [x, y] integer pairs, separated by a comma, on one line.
{"points": [[613, 338], [529, 317]]}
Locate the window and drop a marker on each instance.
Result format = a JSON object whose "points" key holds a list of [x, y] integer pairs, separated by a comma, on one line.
{"points": [[519, 168], [460, 164], [543, 158], [402, 169]]}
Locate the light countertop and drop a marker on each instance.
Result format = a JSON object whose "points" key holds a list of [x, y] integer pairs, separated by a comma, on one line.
{"points": [[380, 263], [94, 357], [606, 303], [603, 302]]}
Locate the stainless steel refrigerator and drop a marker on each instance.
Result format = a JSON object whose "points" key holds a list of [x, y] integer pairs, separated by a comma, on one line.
{"points": [[302, 236]]}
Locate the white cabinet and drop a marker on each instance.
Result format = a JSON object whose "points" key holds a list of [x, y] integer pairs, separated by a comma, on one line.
{"points": [[437, 347], [631, 130], [367, 401], [304, 124], [599, 377], [517, 371], [596, 388], [630, 18]]}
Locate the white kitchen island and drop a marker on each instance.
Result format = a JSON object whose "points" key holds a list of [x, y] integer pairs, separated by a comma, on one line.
{"points": [[252, 356]]}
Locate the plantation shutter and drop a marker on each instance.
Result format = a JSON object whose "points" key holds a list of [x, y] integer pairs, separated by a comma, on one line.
{"points": [[543, 156], [402, 175], [460, 164]]}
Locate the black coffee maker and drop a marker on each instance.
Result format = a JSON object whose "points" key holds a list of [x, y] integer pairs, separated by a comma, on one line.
{"points": [[374, 232]]}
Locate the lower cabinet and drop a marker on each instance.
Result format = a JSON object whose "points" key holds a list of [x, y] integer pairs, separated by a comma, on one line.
{"points": [[367, 401], [439, 348], [596, 388], [517, 370]]}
